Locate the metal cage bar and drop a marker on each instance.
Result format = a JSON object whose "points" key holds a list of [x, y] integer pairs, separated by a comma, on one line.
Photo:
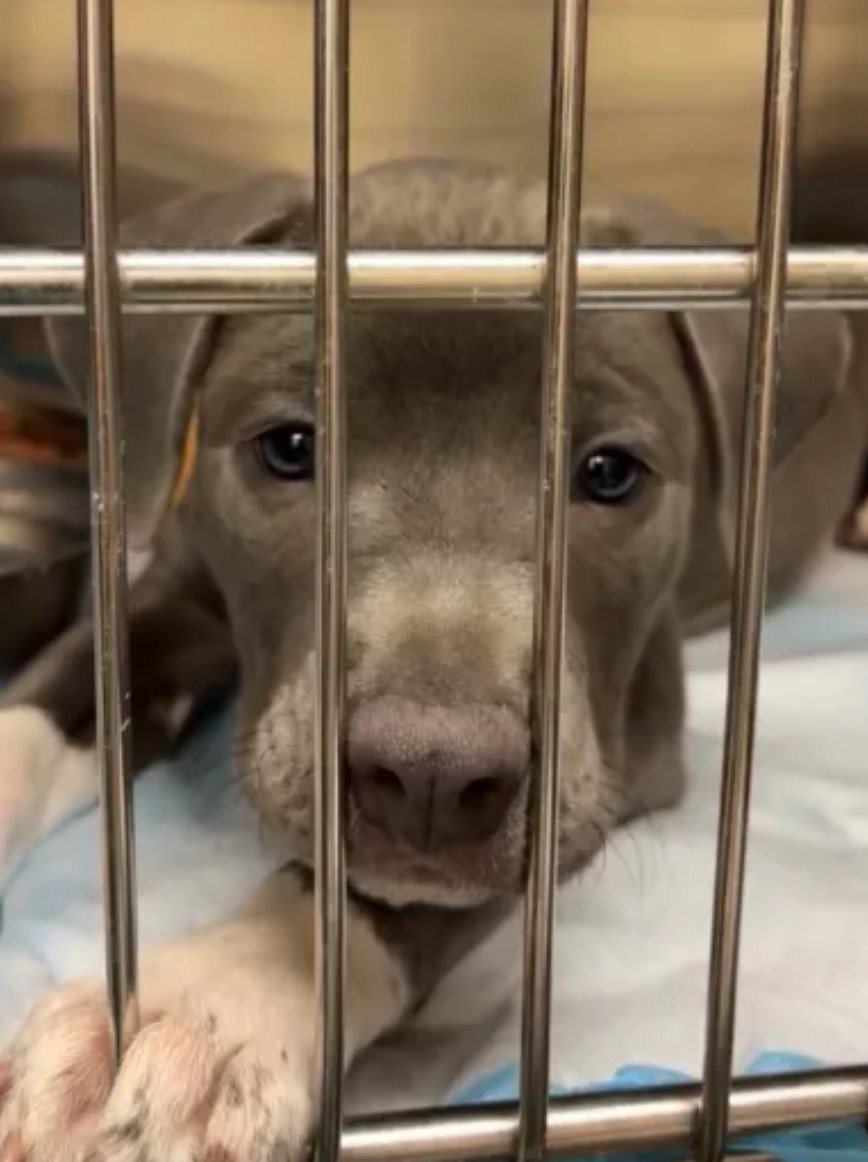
{"points": [[566, 121], [331, 69], [785, 23], [46, 282], [102, 297], [668, 1116]]}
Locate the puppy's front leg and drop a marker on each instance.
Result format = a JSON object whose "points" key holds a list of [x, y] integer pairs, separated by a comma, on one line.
{"points": [[222, 1069], [181, 654]]}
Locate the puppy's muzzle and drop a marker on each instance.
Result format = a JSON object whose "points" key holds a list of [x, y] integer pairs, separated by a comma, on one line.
{"points": [[435, 776]]}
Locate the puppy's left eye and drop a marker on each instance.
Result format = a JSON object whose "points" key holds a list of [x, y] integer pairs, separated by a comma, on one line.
{"points": [[609, 475], [287, 452]]}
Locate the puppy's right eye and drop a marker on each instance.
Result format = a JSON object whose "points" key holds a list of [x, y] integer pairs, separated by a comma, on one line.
{"points": [[287, 452]]}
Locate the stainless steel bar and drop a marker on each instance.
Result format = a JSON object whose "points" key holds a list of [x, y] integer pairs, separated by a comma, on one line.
{"points": [[102, 298], [331, 170], [585, 1124], [566, 131], [766, 332], [37, 282]]}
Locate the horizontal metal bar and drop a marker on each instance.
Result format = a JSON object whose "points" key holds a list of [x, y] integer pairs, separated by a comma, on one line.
{"points": [[668, 1116], [40, 282]]}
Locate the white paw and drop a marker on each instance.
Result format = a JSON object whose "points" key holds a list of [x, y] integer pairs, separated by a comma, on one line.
{"points": [[43, 778], [212, 1076]]}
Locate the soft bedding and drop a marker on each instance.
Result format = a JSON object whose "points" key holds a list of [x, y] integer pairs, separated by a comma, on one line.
{"points": [[632, 935]]}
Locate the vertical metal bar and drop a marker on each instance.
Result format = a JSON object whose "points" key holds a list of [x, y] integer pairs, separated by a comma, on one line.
{"points": [[569, 52], [102, 301], [766, 331], [331, 166]]}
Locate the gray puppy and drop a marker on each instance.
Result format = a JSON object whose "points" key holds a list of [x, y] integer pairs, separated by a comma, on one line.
{"points": [[443, 457]]}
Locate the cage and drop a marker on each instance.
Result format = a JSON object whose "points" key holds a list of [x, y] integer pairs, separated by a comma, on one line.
{"points": [[764, 272]]}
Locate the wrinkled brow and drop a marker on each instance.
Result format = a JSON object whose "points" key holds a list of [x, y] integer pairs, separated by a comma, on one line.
{"points": [[629, 410], [257, 377]]}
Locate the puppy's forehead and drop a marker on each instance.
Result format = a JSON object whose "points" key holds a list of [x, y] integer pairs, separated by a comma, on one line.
{"points": [[415, 368], [628, 367], [422, 204], [450, 354], [397, 362], [631, 373]]}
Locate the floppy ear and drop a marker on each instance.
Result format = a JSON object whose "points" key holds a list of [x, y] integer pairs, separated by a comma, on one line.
{"points": [[819, 428], [163, 355]]}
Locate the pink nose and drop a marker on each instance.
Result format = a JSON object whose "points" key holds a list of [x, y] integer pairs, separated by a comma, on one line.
{"points": [[435, 775]]}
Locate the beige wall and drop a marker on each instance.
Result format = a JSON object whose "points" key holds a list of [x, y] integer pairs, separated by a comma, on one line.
{"points": [[673, 100]]}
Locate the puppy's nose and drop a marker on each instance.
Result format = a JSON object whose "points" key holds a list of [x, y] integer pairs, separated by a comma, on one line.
{"points": [[435, 775]]}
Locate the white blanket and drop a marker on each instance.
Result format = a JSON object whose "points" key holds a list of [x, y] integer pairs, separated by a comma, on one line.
{"points": [[632, 935]]}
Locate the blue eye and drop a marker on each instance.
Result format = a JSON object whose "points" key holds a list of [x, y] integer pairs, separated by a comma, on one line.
{"points": [[288, 452], [609, 475]]}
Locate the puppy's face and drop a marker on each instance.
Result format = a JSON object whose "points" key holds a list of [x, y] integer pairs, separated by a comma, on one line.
{"points": [[443, 458], [443, 449]]}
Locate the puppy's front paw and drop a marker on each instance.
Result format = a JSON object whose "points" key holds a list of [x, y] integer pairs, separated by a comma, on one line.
{"points": [[210, 1077], [43, 777], [55, 1077]]}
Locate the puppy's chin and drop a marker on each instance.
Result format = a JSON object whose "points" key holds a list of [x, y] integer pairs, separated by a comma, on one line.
{"points": [[400, 879], [404, 892], [461, 877]]}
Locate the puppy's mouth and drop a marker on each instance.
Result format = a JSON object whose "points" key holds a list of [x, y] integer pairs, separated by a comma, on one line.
{"points": [[459, 875], [445, 866], [441, 861]]}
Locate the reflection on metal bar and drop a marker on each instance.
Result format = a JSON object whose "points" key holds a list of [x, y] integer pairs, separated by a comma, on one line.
{"points": [[97, 128], [588, 1123], [566, 126], [37, 282], [331, 116], [766, 331]]}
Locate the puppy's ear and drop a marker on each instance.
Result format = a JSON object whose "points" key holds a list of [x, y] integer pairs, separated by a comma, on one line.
{"points": [[164, 354], [816, 452]]}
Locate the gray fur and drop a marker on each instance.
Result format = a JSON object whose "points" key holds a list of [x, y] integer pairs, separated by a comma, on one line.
{"points": [[443, 450], [443, 416]]}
